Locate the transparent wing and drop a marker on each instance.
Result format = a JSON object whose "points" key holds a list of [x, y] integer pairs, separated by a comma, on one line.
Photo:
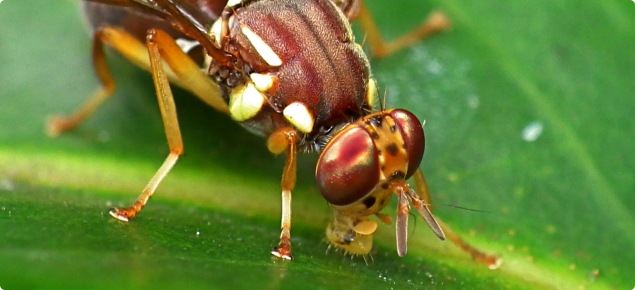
{"points": [[192, 17]]}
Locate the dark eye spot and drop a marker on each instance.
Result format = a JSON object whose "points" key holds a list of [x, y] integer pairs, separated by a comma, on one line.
{"points": [[369, 201], [392, 149]]}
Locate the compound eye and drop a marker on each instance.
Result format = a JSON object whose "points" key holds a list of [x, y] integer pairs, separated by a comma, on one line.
{"points": [[348, 168], [413, 137]]}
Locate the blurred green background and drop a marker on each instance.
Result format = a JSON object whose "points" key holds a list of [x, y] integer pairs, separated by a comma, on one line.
{"points": [[557, 202]]}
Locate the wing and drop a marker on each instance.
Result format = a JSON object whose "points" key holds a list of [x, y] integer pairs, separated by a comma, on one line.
{"points": [[192, 17], [201, 12], [147, 6]]}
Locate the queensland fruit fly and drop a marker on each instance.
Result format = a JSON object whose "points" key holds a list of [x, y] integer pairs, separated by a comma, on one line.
{"points": [[288, 70]]}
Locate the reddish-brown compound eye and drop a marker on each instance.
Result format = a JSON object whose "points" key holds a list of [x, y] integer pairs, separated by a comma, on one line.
{"points": [[413, 137], [348, 168]]}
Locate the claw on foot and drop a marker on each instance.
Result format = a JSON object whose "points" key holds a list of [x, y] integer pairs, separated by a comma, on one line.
{"points": [[56, 125], [283, 253], [495, 264], [121, 214], [438, 21]]}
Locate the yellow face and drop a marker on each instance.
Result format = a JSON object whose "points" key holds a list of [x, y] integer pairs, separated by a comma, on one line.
{"points": [[342, 235], [352, 230]]}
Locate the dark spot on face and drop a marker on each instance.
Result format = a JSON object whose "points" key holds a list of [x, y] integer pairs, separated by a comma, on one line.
{"points": [[348, 237], [392, 149], [374, 135], [369, 201], [393, 129], [384, 186], [398, 175], [376, 121], [383, 168]]}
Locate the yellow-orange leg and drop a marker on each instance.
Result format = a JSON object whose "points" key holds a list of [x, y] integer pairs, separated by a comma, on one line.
{"points": [[157, 42], [176, 67], [185, 74], [422, 188], [436, 22], [282, 140], [161, 46], [58, 124]]}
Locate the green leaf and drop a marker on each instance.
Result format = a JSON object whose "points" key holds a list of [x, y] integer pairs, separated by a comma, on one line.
{"points": [[554, 206]]}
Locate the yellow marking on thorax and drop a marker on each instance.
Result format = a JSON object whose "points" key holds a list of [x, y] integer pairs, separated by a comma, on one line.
{"points": [[263, 49], [245, 102]]}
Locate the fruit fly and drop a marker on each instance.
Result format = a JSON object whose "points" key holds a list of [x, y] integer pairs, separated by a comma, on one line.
{"points": [[288, 70]]}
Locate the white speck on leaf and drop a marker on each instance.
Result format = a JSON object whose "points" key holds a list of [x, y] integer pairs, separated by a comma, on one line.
{"points": [[532, 131]]}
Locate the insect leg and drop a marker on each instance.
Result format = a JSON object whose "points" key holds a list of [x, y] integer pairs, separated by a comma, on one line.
{"points": [[422, 188], [282, 140], [59, 124], [492, 261], [436, 22], [183, 72], [155, 42]]}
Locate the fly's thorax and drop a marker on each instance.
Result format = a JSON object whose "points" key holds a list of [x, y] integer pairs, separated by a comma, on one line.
{"points": [[298, 61]]}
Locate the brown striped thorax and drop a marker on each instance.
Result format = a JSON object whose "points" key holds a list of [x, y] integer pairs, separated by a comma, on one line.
{"points": [[299, 65], [289, 70], [293, 62]]}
